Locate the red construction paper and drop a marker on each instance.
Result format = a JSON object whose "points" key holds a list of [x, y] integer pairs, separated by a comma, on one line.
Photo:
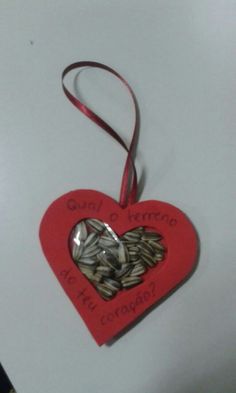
{"points": [[105, 319]]}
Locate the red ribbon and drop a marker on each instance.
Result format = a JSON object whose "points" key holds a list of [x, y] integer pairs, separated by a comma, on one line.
{"points": [[129, 188]]}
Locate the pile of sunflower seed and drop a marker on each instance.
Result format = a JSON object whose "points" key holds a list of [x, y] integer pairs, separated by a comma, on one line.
{"points": [[113, 263]]}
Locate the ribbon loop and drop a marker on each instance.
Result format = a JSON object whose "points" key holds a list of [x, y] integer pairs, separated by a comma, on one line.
{"points": [[129, 187]]}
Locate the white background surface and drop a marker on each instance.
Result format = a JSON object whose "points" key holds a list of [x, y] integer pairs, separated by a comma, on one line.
{"points": [[179, 56]]}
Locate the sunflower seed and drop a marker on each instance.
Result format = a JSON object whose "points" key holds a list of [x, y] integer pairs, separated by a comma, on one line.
{"points": [[80, 232], [159, 257], [97, 277], [88, 273], [108, 259], [138, 270], [124, 271], [150, 261], [87, 261], [77, 250], [87, 269], [112, 284], [148, 254], [157, 246], [101, 257], [91, 251], [109, 232], [147, 247], [92, 239], [97, 225], [133, 249], [105, 292], [131, 236], [129, 243], [106, 271], [151, 236], [129, 282], [133, 258], [106, 241], [123, 255], [133, 253], [138, 230], [137, 261]]}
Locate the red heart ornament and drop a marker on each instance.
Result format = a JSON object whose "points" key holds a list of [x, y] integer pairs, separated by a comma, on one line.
{"points": [[105, 319]]}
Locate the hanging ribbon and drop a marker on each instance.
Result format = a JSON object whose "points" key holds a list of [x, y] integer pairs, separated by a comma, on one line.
{"points": [[129, 188]]}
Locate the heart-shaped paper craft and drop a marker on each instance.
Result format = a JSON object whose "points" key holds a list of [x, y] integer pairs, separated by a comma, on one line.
{"points": [[105, 319]]}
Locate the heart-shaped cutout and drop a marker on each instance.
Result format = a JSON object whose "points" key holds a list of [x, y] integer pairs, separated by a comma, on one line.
{"points": [[105, 319], [113, 263]]}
